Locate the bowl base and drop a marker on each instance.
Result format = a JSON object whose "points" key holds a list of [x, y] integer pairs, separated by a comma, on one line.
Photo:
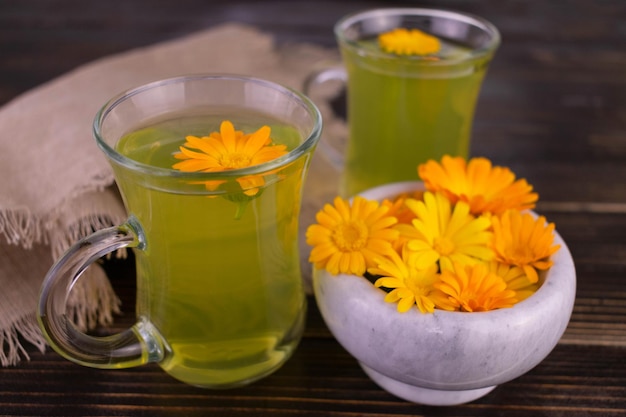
{"points": [[425, 396]]}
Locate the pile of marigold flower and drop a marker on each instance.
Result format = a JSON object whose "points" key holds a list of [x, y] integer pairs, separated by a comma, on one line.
{"points": [[468, 242]]}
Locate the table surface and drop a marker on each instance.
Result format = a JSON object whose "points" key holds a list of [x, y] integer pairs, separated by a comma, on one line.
{"points": [[553, 108]]}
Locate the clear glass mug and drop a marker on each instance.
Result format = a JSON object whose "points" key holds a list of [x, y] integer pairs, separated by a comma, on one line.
{"points": [[404, 110], [220, 300]]}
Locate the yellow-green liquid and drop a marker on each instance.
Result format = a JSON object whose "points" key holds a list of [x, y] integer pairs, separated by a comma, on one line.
{"points": [[402, 114], [219, 276]]}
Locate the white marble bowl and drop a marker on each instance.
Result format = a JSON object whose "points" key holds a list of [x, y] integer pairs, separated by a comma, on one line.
{"points": [[445, 358]]}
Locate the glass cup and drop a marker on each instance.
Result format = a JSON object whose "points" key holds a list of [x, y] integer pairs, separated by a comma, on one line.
{"points": [[404, 110], [220, 300]]}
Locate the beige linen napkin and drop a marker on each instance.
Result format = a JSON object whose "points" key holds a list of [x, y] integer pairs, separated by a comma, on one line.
{"points": [[57, 186]]}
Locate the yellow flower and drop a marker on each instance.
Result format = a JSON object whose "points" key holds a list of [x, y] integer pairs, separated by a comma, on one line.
{"points": [[447, 234], [229, 149], [486, 188], [523, 241], [515, 279], [408, 42], [348, 237], [410, 285], [474, 288]]}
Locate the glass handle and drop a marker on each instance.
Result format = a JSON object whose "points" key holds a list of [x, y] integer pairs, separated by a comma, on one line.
{"points": [[312, 82], [134, 346]]}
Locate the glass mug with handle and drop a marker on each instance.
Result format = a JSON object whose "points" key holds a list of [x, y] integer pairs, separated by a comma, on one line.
{"points": [[403, 110], [220, 300]]}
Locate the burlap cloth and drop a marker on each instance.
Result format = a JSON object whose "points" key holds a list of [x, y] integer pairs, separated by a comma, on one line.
{"points": [[57, 186]]}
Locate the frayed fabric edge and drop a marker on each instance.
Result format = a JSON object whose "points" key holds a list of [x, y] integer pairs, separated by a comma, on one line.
{"points": [[81, 228], [92, 302], [11, 349], [94, 286], [20, 227]]}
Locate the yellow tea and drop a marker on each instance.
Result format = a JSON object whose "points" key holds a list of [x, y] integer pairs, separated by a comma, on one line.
{"points": [[404, 110], [220, 274], [213, 223]]}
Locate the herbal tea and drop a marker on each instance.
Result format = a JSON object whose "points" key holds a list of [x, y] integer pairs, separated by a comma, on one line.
{"points": [[220, 274], [210, 168], [404, 110]]}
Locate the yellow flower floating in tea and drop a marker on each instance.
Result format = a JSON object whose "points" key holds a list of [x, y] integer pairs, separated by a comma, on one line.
{"points": [[403, 41], [229, 149], [465, 244]]}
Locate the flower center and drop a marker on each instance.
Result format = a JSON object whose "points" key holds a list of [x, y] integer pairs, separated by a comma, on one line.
{"points": [[351, 236], [235, 160], [417, 287], [443, 246], [523, 254]]}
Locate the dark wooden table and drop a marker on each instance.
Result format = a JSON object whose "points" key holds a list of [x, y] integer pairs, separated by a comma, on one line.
{"points": [[553, 108]]}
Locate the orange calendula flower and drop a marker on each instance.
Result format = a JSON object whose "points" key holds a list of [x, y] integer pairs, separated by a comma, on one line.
{"points": [[486, 188], [347, 237], [522, 240], [402, 41], [229, 149], [515, 279], [399, 210], [474, 288], [448, 233], [410, 285]]}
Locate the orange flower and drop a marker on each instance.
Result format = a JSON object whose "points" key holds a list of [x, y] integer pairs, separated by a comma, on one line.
{"points": [[474, 288], [515, 279], [229, 149], [399, 210], [523, 241], [347, 237], [402, 41], [486, 188]]}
